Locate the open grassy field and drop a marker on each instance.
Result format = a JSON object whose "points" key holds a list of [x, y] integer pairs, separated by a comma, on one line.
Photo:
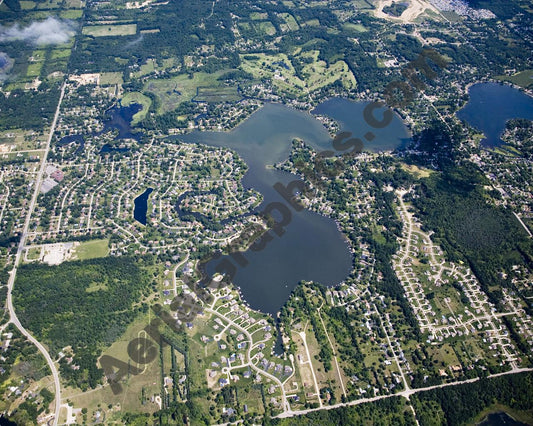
{"points": [[324, 378], [109, 30], [363, 4], [356, 27], [38, 55], [137, 98], [51, 4], [290, 22], [311, 23], [149, 379], [111, 78], [265, 27], [27, 5], [34, 253], [21, 139], [60, 53], [91, 249], [217, 94], [419, 172], [523, 79], [71, 14], [74, 4], [173, 91], [304, 369], [258, 16], [147, 68]]}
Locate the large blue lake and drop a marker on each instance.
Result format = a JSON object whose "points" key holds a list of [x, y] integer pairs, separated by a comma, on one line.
{"points": [[491, 105], [312, 248]]}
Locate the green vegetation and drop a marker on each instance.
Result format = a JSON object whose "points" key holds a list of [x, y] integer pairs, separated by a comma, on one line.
{"points": [[110, 30], [91, 249], [391, 411], [209, 64], [87, 306], [182, 88], [217, 94], [356, 27], [111, 78], [469, 228], [523, 79], [459, 405], [395, 9], [22, 365], [29, 109], [137, 98]]}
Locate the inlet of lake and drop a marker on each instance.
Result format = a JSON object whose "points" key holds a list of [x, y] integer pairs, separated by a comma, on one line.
{"points": [[491, 105], [311, 248]]}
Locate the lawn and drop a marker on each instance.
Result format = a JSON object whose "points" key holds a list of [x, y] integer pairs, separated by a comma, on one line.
{"points": [[34, 253], [312, 23], [265, 27], [111, 78], [91, 249], [110, 30], [217, 94], [356, 27], [173, 91], [418, 172], [258, 16], [60, 53], [34, 69], [27, 5], [71, 14], [290, 22], [522, 79], [129, 398]]}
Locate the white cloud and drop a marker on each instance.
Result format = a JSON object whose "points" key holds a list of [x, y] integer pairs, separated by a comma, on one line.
{"points": [[50, 31]]}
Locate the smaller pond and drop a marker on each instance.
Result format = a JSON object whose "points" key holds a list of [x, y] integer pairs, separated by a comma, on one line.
{"points": [[118, 118], [141, 206], [500, 419]]}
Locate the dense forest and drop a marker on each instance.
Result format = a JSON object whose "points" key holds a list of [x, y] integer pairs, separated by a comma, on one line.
{"points": [[83, 304], [456, 207], [458, 405], [29, 109]]}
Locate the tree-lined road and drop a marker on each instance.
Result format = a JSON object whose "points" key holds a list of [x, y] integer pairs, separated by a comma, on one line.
{"points": [[13, 273]]}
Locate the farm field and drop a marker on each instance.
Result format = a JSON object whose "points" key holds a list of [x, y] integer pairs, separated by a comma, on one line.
{"points": [[109, 30]]}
